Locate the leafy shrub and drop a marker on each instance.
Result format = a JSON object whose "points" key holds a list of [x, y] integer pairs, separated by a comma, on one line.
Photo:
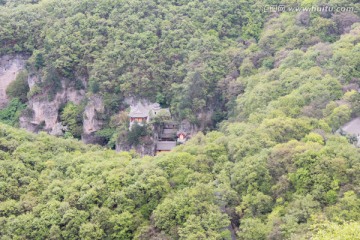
{"points": [[72, 117], [19, 88], [10, 115], [135, 134], [35, 90]]}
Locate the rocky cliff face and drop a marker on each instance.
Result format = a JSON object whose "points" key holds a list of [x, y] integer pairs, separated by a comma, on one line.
{"points": [[92, 119], [93, 109], [10, 66], [44, 114]]}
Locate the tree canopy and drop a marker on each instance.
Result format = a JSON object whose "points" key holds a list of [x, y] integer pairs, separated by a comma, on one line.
{"points": [[271, 163]]}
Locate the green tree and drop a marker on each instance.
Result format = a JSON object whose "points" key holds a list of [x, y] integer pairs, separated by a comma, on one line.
{"points": [[136, 133], [333, 230], [252, 228], [72, 117], [10, 115], [19, 88]]}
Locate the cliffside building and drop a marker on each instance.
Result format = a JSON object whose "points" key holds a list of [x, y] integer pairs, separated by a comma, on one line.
{"points": [[352, 128], [144, 113], [167, 133], [181, 136], [165, 146]]}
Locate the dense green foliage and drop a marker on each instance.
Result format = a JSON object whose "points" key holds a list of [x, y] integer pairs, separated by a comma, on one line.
{"points": [[174, 52], [19, 88], [275, 169], [184, 54], [72, 117], [64, 189], [11, 113], [135, 134], [338, 231]]}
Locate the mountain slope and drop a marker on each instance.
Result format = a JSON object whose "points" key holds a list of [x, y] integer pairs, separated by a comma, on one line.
{"points": [[278, 167], [54, 188]]}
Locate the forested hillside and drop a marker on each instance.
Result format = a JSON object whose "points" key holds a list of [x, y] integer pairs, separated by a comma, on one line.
{"points": [[213, 187], [194, 56], [172, 52], [273, 162]]}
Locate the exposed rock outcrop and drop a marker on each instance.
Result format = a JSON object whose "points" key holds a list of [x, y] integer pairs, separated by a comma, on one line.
{"points": [[45, 113], [10, 66], [43, 108], [93, 109], [42, 113], [92, 119], [147, 147]]}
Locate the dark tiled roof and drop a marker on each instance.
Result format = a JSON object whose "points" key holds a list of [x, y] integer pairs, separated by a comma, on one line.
{"points": [[167, 136], [165, 145], [169, 131], [352, 127], [139, 111], [144, 109], [138, 115]]}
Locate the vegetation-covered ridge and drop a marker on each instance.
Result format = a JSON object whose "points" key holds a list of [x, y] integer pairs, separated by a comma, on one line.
{"points": [[194, 56], [172, 52], [299, 184], [197, 57], [275, 169]]}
